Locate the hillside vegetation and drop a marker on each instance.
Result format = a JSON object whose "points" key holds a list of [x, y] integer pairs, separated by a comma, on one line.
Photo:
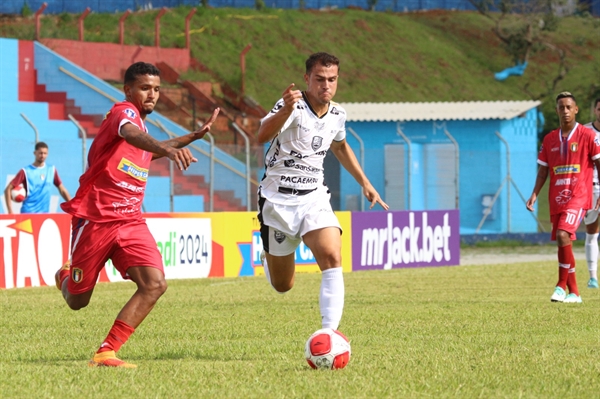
{"points": [[385, 57]]}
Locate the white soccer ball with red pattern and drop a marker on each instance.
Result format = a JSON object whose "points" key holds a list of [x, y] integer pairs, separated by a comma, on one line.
{"points": [[18, 194], [327, 349]]}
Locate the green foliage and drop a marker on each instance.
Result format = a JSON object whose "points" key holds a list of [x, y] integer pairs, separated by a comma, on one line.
{"points": [[26, 11], [260, 5], [386, 57], [463, 331]]}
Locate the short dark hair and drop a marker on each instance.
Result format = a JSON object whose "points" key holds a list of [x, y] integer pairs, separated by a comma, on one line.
{"points": [[40, 144], [323, 59], [139, 68], [596, 102], [565, 94]]}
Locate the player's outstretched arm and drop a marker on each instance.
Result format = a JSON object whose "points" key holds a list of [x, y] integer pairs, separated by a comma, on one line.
{"points": [[271, 126], [343, 152], [142, 140], [182, 141], [542, 175]]}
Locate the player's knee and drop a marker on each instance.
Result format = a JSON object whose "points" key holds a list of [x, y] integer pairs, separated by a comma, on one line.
{"points": [[77, 303], [331, 259], [282, 288], [156, 287]]}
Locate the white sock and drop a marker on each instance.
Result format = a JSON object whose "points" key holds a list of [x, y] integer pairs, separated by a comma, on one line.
{"points": [[591, 254], [331, 297], [263, 260]]}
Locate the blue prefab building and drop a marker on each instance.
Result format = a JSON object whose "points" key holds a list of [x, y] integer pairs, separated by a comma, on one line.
{"points": [[479, 157]]}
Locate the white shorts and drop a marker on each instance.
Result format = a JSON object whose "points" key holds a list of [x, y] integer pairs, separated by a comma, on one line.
{"points": [[591, 215], [283, 226]]}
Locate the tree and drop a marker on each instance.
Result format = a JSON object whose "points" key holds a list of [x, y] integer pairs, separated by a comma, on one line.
{"points": [[521, 26]]}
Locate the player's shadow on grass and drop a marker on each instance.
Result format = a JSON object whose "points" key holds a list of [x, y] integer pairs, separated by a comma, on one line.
{"points": [[178, 355]]}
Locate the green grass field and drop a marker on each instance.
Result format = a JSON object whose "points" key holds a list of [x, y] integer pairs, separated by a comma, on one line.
{"points": [[465, 331]]}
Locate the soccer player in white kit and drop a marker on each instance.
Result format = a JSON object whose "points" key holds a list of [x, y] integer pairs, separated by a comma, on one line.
{"points": [[293, 198], [591, 217]]}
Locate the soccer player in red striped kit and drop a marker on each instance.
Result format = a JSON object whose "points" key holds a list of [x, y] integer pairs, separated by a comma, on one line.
{"points": [[107, 219], [568, 155]]}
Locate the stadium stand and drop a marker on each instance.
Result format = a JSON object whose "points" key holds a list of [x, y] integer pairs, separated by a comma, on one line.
{"points": [[45, 87]]}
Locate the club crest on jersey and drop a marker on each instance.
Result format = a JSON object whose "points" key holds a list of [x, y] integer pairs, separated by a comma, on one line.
{"points": [[574, 147], [77, 275], [316, 143], [126, 166], [279, 236], [130, 113]]}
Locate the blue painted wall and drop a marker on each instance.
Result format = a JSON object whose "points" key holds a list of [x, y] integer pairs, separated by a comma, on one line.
{"points": [[483, 166], [17, 138]]}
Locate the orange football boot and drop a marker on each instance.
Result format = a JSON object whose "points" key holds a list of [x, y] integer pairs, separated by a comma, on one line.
{"points": [[61, 274], [109, 359]]}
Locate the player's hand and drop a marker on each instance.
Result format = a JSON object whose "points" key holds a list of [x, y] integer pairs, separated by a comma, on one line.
{"points": [[182, 157], [597, 205], [291, 97], [531, 201], [373, 197], [206, 127]]}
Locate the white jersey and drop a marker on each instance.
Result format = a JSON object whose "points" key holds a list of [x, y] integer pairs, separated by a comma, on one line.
{"points": [[294, 161], [595, 179]]}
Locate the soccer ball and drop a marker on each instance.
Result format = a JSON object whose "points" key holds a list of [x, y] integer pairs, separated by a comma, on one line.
{"points": [[18, 193], [327, 349]]}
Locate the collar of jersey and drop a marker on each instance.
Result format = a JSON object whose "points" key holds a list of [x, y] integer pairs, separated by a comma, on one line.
{"points": [[311, 108], [570, 134]]}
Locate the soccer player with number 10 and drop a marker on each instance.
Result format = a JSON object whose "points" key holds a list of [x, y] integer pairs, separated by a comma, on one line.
{"points": [[568, 155]]}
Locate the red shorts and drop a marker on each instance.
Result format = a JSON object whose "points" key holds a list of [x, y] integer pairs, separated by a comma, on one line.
{"points": [[568, 221], [126, 243]]}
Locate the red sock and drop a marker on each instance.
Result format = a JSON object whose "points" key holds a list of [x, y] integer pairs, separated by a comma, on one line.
{"points": [[117, 336], [565, 262], [572, 281]]}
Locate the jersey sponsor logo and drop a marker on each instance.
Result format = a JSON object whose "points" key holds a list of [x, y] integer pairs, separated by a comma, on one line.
{"points": [[564, 196], [321, 153], [303, 128], [317, 141], [130, 113], [130, 187], [297, 155], [319, 126], [565, 182], [299, 179], [555, 149], [133, 170], [574, 147], [127, 205], [566, 169], [289, 163], [334, 111]]}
